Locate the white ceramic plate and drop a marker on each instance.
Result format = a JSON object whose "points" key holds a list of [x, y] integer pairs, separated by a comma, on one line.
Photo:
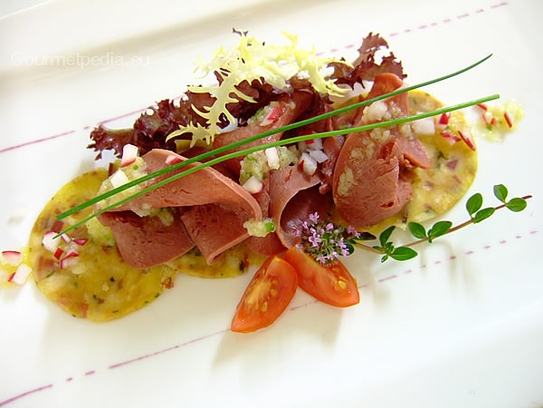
{"points": [[462, 325]]}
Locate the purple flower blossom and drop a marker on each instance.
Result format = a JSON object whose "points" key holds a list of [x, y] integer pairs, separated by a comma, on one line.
{"points": [[324, 241], [314, 218]]}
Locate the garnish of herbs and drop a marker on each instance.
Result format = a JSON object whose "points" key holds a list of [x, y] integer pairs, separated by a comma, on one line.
{"points": [[476, 213]]}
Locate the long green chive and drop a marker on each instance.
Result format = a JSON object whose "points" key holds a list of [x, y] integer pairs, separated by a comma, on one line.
{"points": [[388, 123], [240, 143]]}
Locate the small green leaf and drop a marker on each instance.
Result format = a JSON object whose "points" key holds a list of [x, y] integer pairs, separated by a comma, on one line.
{"points": [[439, 228], [474, 203], [388, 247], [500, 191], [417, 230], [516, 204], [385, 235], [483, 214], [403, 254], [384, 258]]}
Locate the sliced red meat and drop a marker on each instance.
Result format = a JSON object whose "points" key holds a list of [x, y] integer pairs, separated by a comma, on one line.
{"points": [[147, 241], [294, 196], [214, 228], [371, 177], [215, 206], [331, 147]]}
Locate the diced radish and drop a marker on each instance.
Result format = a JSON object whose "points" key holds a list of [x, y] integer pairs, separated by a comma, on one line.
{"points": [[314, 144], [71, 253], [424, 126], [450, 137], [308, 164], [13, 258], [482, 106], [318, 155], [58, 253], [172, 159], [68, 262], [273, 157], [21, 274], [49, 241], [130, 154], [444, 119], [118, 179], [66, 238], [253, 185], [272, 116], [508, 118], [487, 118], [466, 137], [302, 146], [80, 241]]}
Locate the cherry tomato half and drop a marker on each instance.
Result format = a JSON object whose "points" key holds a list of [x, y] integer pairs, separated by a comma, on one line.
{"points": [[332, 284], [269, 293]]}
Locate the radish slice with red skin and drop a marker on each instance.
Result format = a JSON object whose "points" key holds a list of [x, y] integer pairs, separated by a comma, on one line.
{"points": [[58, 253], [444, 119], [487, 118], [68, 262], [318, 155], [308, 164], [13, 258], [508, 119], [71, 253], [130, 154], [80, 241], [21, 274], [466, 137], [49, 241], [314, 144], [253, 185], [274, 114], [450, 137]]}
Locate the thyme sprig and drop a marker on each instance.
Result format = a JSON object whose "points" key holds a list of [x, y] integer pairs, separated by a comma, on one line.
{"points": [[477, 214]]}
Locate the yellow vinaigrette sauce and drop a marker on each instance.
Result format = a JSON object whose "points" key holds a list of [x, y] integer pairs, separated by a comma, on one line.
{"points": [[453, 168], [99, 286]]}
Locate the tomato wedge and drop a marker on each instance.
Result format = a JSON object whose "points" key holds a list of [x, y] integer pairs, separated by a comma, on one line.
{"points": [[332, 284], [267, 296]]}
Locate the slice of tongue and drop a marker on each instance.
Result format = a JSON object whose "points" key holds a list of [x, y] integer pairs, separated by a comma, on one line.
{"points": [[373, 168], [212, 207]]}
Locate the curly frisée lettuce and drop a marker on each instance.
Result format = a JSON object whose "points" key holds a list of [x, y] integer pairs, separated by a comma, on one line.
{"points": [[177, 125], [250, 61]]}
